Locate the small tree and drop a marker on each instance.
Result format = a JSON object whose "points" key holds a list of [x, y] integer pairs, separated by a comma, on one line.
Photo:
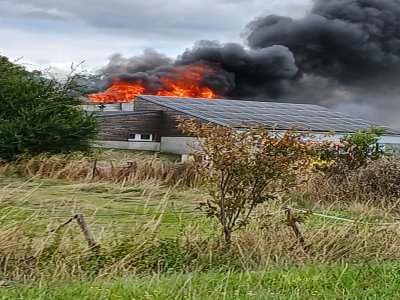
{"points": [[39, 114], [243, 169]]}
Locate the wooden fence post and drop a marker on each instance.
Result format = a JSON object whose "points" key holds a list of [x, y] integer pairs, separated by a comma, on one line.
{"points": [[94, 169], [295, 225], [86, 232]]}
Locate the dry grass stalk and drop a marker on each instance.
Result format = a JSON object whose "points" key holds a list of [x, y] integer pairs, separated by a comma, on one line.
{"points": [[116, 171], [64, 254], [377, 185]]}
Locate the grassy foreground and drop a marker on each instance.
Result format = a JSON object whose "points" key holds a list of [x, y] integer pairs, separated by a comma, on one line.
{"points": [[367, 281], [154, 244]]}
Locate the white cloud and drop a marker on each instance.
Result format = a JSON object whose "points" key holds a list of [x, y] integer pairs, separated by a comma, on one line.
{"points": [[59, 32], [60, 50]]}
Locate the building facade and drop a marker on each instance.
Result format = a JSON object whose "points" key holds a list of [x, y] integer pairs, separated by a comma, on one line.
{"points": [[152, 123]]}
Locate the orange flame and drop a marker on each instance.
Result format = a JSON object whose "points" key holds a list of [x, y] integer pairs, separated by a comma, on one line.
{"points": [[118, 92], [185, 83]]}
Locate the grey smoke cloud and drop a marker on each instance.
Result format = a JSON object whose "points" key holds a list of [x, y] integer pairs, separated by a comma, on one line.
{"points": [[344, 39], [149, 60], [348, 54]]}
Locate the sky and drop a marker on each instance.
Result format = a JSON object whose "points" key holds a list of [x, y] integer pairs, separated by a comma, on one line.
{"points": [[57, 33]]}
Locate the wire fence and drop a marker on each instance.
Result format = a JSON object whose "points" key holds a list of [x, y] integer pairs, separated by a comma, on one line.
{"points": [[356, 221], [193, 212], [110, 215], [68, 218]]}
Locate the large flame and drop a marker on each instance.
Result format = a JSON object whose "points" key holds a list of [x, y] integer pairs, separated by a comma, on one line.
{"points": [[182, 82]]}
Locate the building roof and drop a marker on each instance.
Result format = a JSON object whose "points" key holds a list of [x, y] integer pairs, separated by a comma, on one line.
{"points": [[241, 113], [112, 113]]}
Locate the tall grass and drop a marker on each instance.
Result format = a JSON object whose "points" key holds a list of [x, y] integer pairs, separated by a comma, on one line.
{"points": [[32, 252], [29, 252], [377, 184], [81, 168]]}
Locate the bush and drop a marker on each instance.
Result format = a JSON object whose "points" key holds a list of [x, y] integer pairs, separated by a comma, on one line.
{"points": [[243, 169], [353, 152], [40, 115]]}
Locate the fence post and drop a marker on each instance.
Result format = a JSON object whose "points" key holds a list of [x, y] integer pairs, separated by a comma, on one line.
{"points": [[94, 169], [295, 225], [86, 232]]}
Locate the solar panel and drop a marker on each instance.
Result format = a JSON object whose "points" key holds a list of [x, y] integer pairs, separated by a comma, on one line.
{"points": [[238, 113]]}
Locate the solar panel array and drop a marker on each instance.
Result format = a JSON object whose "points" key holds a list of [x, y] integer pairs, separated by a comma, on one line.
{"points": [[239, 113]]}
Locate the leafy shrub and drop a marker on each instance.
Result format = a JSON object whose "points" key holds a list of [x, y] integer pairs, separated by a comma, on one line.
{"points": [[353, 152], [40, 115]]}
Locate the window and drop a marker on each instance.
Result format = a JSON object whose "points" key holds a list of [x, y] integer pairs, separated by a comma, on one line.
{"points": [[145, 137], [141, 137]]}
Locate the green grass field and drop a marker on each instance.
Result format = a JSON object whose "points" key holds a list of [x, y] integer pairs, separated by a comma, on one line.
{"points": [[50, 202], [154, 244], [368, 281]]}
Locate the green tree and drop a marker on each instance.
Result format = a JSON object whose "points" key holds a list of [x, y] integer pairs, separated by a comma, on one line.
{"points": [[41, 115], [243, 169]]}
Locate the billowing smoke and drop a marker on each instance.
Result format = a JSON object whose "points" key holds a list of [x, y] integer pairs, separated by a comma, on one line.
{"points": [[264, 71], [236, 72], [149, 60], [348, 54], [343, 39], [343, 54], [149, 68]]}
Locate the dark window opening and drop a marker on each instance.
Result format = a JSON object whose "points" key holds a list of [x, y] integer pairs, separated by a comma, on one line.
{"points": [[145, 136]]}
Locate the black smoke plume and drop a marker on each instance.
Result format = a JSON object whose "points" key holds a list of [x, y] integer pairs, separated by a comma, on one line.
{"points": [[343, 39], [343, 54], [264, 71], [237, 72]]}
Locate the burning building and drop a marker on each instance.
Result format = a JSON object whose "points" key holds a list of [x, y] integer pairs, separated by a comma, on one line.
{"points": [[342, 54], [185, 81], [152, 125]]}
